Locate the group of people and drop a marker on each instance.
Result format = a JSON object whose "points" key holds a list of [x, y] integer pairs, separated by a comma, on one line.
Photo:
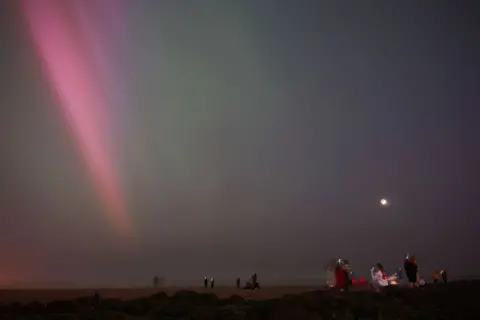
{"points": [[343, 276], [251, 284], [379, 278], [206, 282], [442, 275]]}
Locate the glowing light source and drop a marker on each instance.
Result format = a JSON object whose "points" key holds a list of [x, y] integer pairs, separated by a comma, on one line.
{"points": [[384, 202]]}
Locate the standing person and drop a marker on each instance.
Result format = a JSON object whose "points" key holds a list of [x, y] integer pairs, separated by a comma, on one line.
{"points": [[436, 276], [238, 282], [156, 281], [205, 282], [254, 280], [348, 279], [411, 271], [212, 283], [96, 300], [443, 274], [405, 262], [340, 280]]}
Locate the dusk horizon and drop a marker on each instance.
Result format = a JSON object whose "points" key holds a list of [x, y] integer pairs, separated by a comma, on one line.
{"points": [[220, 138]]}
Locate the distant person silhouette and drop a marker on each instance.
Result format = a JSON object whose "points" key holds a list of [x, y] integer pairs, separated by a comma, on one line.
{"points": [[254, 279], [156, 281], [96, 300], [443, 274], [212, 283], [238, 282], [348, 280], [205, 282]]}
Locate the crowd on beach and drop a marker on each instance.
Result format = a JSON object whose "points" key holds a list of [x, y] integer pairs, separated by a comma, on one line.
{"points": [[340, 276], [251, 284], [408, 276]]}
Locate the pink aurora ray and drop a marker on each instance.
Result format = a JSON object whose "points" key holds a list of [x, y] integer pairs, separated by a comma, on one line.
{"points": [[77, 70]]}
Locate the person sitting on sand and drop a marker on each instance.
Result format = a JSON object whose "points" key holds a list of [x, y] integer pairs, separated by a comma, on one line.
{"points": [[379, 277], [400, 276]]}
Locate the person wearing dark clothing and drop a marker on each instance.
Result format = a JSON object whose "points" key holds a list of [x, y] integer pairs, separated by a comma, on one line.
{"points": [[96, 300], [443, 274], [348, 280], [411, 271], [212, 283], [238, 282], [254, 280], [205, 282]]}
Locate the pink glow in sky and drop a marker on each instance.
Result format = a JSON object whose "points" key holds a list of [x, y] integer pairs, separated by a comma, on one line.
{"points": [[77, 70]]}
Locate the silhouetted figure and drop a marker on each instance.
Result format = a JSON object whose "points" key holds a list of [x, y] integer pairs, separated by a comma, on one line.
{"points": [[405, 263], [400, 274], [212, 283], [436, 276], [238, 282], [254, 280], [156, 281], [96, 300], [341, 276], [443, 274], [205, 282], [348, 280], [411, 270]]}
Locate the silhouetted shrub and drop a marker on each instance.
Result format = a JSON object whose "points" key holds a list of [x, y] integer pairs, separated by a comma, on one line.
{"points": [[62, 306], [453, 301], [112, 304], [159, 296], [235, 299], [135, 307], [12, 308], [34, 308]]}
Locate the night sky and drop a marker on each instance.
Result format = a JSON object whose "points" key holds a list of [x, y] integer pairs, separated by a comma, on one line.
{"points": [[220, 138]]}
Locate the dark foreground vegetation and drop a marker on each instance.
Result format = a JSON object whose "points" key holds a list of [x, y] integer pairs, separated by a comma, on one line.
{"points": [[456, 300]]}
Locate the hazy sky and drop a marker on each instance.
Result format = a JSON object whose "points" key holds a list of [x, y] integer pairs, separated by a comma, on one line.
{"points": [[243, 136]]}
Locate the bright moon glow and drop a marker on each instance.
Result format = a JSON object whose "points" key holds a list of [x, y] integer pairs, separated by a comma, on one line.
{"points": [[383, 202]]}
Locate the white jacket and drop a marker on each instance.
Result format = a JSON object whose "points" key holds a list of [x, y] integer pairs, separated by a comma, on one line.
{"points": [[377, 277]]}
